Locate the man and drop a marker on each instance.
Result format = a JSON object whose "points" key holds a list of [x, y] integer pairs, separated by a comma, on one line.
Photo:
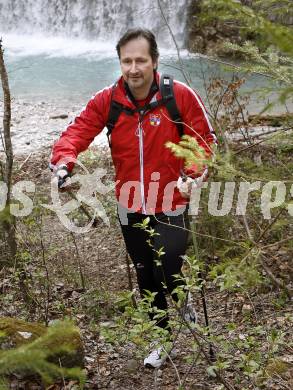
{"points": [[148, 175]]}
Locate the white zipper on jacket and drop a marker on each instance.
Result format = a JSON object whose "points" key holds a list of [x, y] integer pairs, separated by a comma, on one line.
{"points": [[141, 163]]}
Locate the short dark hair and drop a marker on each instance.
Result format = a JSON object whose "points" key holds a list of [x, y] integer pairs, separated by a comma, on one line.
{"points": [[134, 33]]}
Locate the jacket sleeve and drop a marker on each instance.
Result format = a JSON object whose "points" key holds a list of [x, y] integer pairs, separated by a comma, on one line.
{"points": [[197, 125], [81, 132]]}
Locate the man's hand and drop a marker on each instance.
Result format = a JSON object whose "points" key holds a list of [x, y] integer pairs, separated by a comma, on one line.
{"points": [[185, 184], [63, 176]]}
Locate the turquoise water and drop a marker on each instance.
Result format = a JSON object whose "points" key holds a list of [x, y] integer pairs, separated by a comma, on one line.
{"points": [[72, 70], [43, 78], [74, 79], [49, 76]]}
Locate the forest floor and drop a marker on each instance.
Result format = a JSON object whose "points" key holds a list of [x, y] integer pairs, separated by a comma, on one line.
{"points": [[87, 273]]}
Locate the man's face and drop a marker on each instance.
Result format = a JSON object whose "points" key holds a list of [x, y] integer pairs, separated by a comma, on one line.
{"points": [[137, 66]]}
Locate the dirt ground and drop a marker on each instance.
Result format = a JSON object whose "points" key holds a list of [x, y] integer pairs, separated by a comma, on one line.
{"points": [[99, 258]]}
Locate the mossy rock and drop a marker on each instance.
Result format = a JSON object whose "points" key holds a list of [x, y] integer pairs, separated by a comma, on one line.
{"points": [[71, 339], [15, 333]]}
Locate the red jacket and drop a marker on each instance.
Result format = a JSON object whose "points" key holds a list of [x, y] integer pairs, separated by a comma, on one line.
{"points": [[146, 171]]}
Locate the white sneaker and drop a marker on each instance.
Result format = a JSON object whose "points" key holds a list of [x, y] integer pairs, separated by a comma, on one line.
{"points": [[156, 358]]}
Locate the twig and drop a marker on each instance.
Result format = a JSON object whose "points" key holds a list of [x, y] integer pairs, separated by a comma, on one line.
{"points": [[203, 77], [226, 384], [246, 136], [2, 141], [277, 243], [226, 143], [170, 65], [63, 379], [270, 132], [79, 266], [249, 146], [269, 225], [175, 43], [277, 282], [175, 368], [21, 166], [48, 292], [190, 368], [201, 234], [190, 128], [130, 284], [238, 68], [220, 101], [202, 289]]}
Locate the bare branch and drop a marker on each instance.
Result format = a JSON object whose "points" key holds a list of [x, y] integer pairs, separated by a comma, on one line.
{"points": [[175, 43]]}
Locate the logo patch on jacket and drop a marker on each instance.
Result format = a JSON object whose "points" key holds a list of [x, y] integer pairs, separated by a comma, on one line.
{"points": [[155, 120]]}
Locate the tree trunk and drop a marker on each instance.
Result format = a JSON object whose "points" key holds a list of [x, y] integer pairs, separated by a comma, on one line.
{"points": [[8, 222]]}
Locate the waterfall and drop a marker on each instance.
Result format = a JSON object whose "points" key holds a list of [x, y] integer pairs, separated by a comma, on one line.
{"points": [[93, 19]]}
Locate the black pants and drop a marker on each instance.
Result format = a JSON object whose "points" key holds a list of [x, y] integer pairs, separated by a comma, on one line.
{"points": [[173, 241]]}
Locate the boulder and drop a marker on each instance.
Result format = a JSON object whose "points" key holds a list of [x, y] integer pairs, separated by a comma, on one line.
{"points": [[16, 333]]}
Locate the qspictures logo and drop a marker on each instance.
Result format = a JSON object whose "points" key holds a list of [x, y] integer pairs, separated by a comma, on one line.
{"points": [[223, 198]]}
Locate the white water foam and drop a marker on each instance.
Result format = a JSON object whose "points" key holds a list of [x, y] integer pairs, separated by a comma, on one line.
{"points": [[17, 45]]}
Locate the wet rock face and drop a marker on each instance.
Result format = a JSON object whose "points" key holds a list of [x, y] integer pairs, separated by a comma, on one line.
{"points": [[208, 39]]}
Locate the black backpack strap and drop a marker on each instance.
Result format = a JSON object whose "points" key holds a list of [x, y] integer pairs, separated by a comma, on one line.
{"points": [[167, 92], [115, 110]]}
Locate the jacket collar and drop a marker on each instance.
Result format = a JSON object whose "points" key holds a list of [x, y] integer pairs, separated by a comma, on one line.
{"points": [[123, 95]]}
